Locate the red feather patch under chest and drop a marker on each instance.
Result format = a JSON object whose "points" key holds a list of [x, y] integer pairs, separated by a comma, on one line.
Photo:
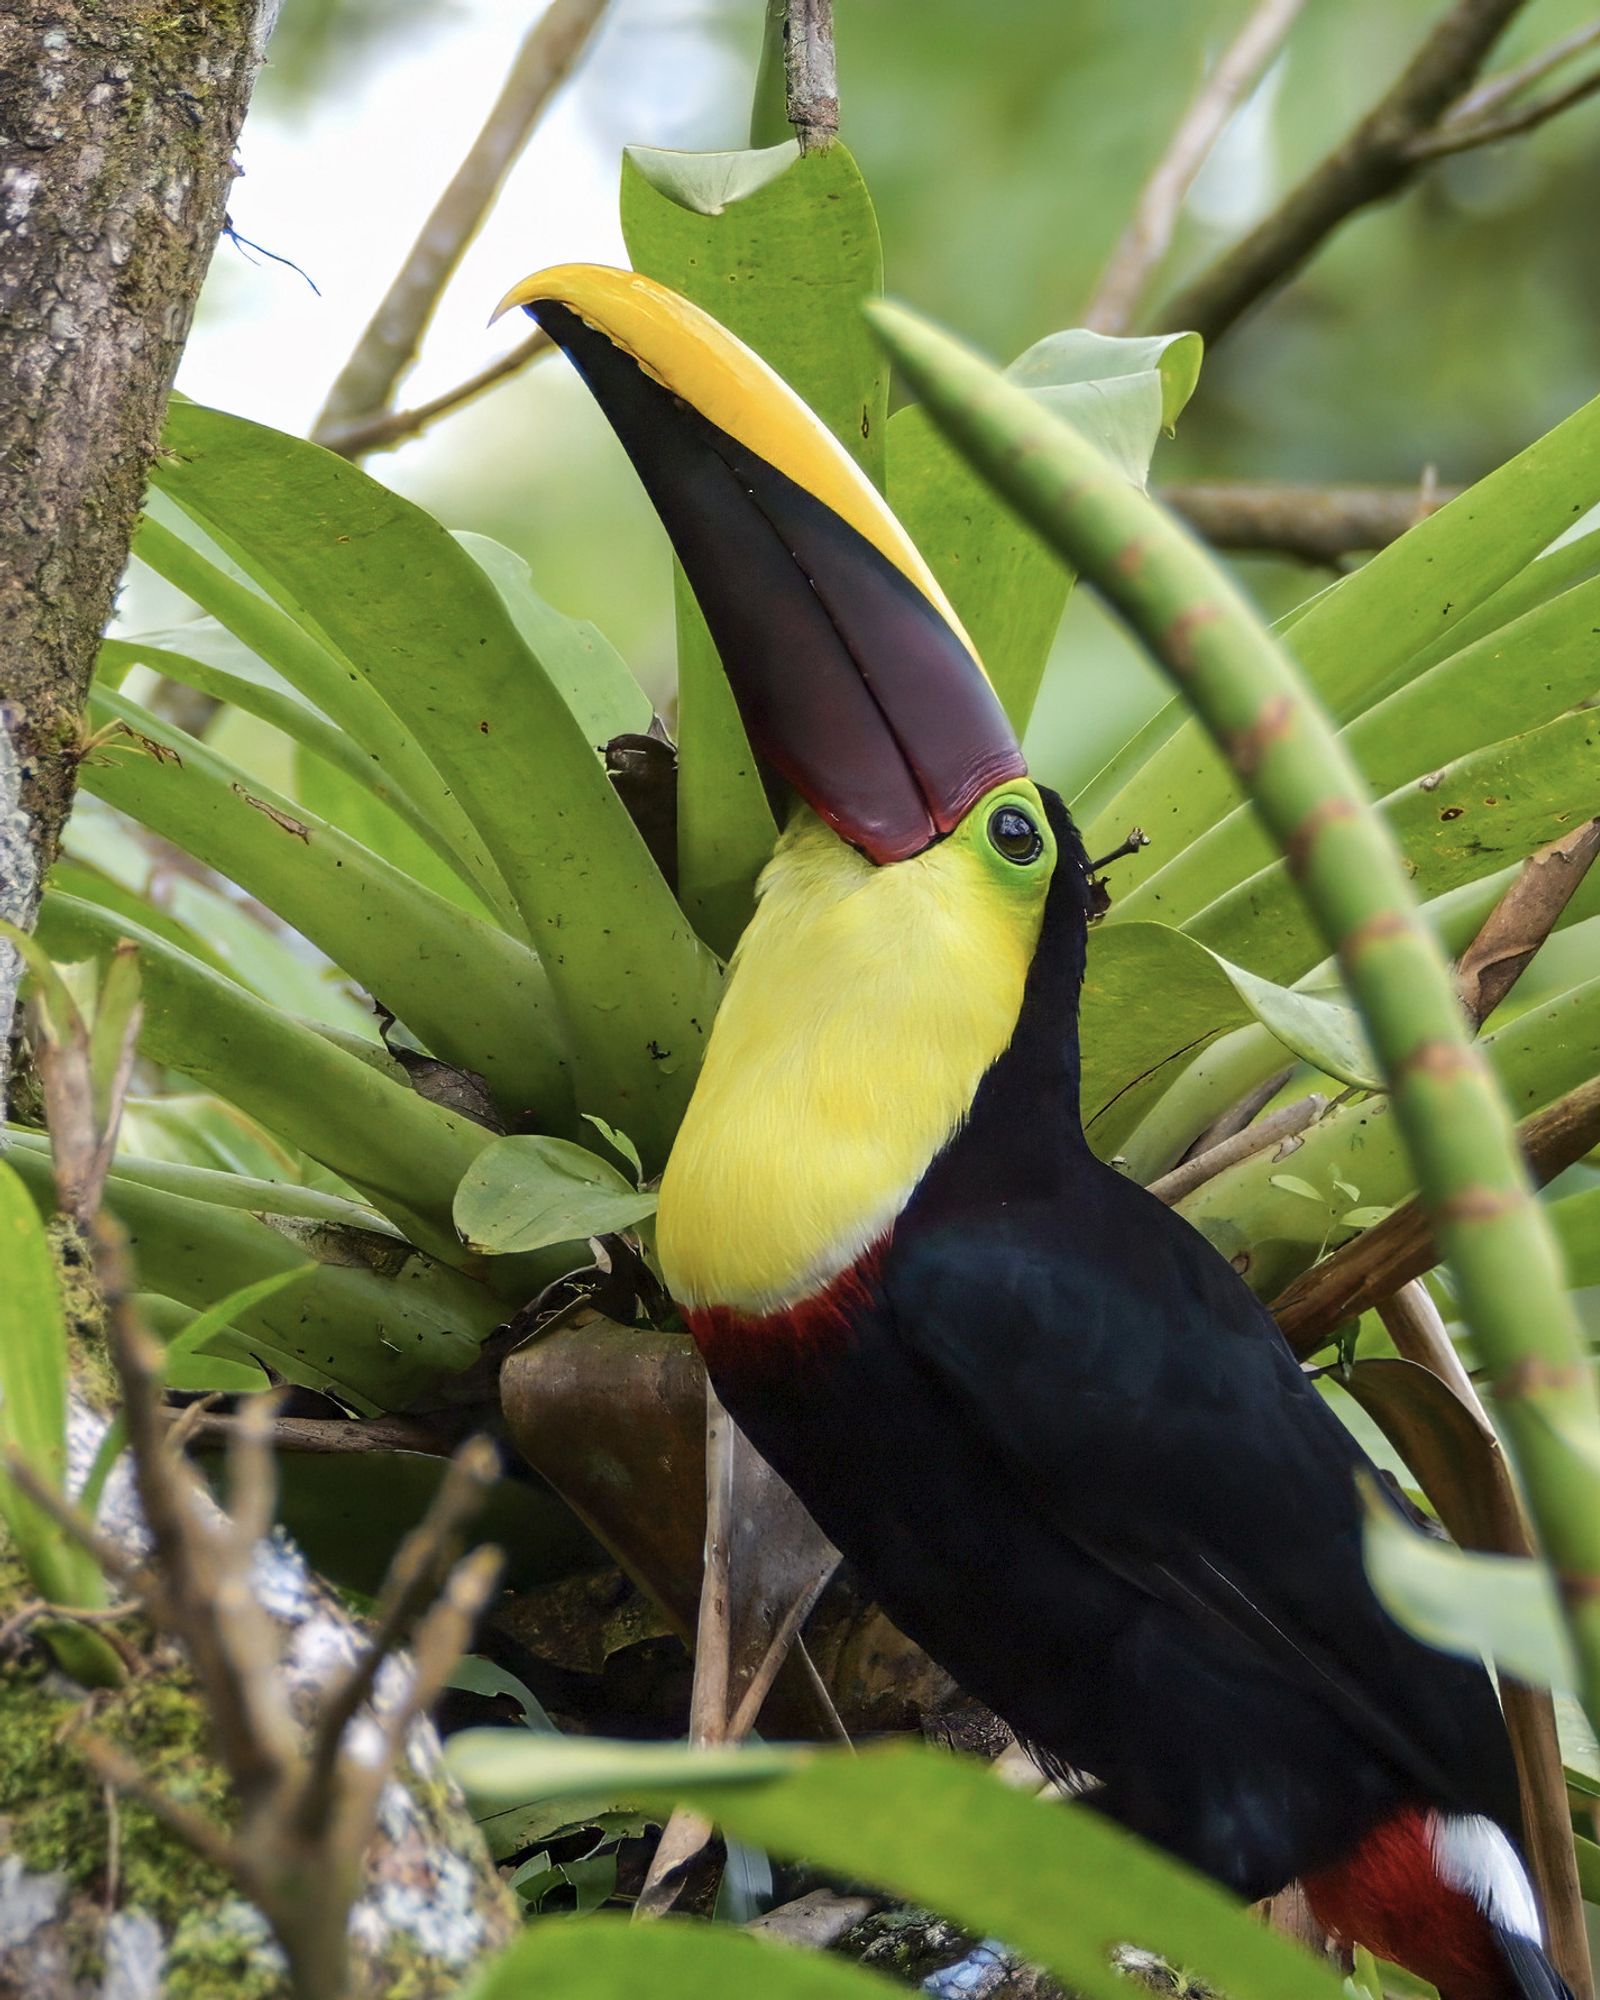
{"points": [[1390, 1897], [817, 1326]]}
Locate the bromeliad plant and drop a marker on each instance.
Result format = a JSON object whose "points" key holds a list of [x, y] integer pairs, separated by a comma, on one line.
{"points": [[403, 756]]}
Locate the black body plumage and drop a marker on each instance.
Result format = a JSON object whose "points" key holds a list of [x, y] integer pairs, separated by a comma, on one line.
{"points": [[1072, 1454]]}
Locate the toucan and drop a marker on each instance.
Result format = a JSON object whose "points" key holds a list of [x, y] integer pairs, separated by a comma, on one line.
{"points": [[1052, 1429]]}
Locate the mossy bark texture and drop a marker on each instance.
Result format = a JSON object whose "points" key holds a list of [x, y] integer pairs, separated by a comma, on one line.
{"points": [[118, 120]]}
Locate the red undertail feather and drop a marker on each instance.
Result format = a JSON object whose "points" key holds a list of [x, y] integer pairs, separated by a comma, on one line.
{"points": [[1390, 1896], [816, 1324]]}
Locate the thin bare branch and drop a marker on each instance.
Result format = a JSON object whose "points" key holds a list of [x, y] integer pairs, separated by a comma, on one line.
{"points": [[395, 427], [1148, 236], [1496, 92], [203, 1592], [319, 1436], [418, 1571], [811, 74], [117, 1769], [1315, 524], [1278, 1128], [1460, 136], [1373, 161], [549, 51]]}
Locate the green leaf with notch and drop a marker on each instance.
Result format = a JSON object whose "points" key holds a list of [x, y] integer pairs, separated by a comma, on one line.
{"points": [[527, 1192]]}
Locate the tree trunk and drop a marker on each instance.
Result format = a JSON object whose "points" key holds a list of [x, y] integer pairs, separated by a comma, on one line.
{"points": [[117, 126]]}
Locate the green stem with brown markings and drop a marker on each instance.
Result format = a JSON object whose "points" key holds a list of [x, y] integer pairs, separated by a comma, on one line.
{"points": [[1287, 758]]}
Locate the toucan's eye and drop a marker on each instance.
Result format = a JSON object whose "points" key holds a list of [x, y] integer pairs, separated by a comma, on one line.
{"points": [[1013, 834]]}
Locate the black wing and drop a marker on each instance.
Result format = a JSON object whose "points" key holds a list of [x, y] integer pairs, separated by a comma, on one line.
{"points": [[1144, 1401]]}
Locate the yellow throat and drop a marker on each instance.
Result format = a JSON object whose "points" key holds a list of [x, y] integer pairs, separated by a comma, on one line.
{"points": [[863, 1007]]}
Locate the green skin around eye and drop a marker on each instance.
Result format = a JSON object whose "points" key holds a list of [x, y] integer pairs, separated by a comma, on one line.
{"points": [[1032, 869]]}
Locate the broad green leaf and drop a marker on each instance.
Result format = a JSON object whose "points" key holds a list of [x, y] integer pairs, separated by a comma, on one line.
{"points": [[527, 1192], [1523, 675], [585, 667], [1478, 814], [1151, 998], [372, 582], [33, 1417], [609, 1958], [177, 547], [200, 918], [196, 1181], [403, 1154], [1119, 393], [474, 996], [373, 1323], [944, 1833], [204, 1131], [783, 251], [310, 731], [1008, 589], [83, 880], [1469, 1604], [1356, 640], [499, 1768]]}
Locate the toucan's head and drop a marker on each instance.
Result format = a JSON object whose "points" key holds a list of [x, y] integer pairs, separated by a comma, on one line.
{"points": [[884, 969]]}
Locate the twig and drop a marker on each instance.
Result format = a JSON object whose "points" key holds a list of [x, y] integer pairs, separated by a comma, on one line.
{"points": [[420, 1568], [1460, 136], [1490, 97], [1380, 1260], [1273, 1130], [394, 427], [1316, 524], [811, 74], [1148, 236], [115, 1768], [548, 53], [320, 1436], [1372, 162]]}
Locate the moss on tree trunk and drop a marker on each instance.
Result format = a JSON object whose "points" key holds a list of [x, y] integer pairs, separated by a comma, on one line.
{"points": [[116, 157]]}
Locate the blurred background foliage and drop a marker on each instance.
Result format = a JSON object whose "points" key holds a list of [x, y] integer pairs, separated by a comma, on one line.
{"points": [[1442, 330]]}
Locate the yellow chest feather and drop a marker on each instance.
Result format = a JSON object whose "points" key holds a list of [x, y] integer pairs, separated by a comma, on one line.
{"points": [[863, 1007]]}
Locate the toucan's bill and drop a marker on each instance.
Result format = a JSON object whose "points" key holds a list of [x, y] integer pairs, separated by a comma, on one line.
{"points": [[852, 673]]}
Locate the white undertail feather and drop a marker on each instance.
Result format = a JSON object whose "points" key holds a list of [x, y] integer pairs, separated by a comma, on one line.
{"points": [[1473, 1855]]}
